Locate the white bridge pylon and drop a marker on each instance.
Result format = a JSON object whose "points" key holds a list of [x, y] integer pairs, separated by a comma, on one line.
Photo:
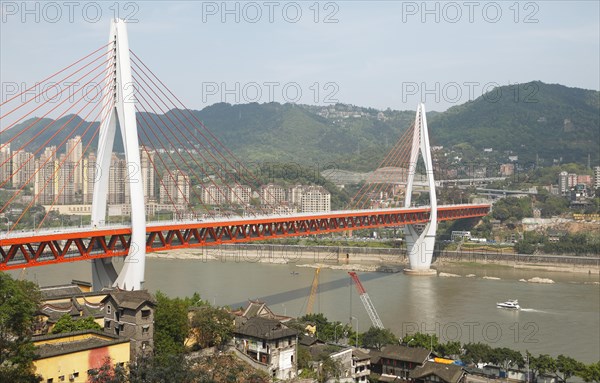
{"points": [[420, 245], [122, 115]]}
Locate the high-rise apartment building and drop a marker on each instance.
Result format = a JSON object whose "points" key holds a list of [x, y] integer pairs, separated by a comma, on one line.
{"points": [[23, 168], [272, 195], [175, 189]]}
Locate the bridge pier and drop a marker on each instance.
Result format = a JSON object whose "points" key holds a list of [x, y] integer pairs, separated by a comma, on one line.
{"points": [[420, 243], [122, 112]]}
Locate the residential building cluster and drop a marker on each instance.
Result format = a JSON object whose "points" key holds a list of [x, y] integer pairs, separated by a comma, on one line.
{"points": [[262, 339], [577, 187], [280, 199], [126, 319], [68, 178], [65, 183]]}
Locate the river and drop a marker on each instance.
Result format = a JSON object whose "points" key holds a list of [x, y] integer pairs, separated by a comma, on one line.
{"points": [[559, 318]]}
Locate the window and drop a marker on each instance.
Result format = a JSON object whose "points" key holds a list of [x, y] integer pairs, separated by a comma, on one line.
{"points": [[50, 380], [108, 309], [61, 378], [145, 313], [277, 343], [107, 324], [145, 329], [264, 344]]}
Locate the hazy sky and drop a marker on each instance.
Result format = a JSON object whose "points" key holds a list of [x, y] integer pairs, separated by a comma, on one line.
{"points": [[369, 53]]}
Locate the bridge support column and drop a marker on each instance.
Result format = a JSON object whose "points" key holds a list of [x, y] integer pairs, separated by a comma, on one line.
{"points": [[104, 274], [420, 242]]}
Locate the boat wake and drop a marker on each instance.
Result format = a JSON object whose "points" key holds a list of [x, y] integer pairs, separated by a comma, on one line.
{"points": [[533, 310]]}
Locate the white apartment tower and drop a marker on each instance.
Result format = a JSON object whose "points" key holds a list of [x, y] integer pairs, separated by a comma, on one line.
{"points": [[148, 174], [272, 195], [45, 179], [175, 189], [23, 167], [5, 164], [74, 153]]}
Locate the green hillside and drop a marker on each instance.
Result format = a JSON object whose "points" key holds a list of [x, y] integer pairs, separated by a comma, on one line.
{"points": [[549, 120]]}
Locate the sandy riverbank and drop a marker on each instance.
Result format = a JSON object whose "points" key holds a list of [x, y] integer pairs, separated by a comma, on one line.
{"points": [[353, 261]]}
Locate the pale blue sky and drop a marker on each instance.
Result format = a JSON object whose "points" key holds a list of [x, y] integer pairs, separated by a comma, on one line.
{"points": [[379, 54]]}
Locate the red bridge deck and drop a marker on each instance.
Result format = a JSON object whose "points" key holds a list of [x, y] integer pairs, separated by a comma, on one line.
{"points": [[20, 250]]}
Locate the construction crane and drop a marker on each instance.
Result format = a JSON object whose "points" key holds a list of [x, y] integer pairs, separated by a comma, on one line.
{"points": [[366, 300], [313, 292]]}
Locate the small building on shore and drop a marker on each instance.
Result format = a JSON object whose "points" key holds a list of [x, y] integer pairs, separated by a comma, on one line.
{"points": [[69, 357]]}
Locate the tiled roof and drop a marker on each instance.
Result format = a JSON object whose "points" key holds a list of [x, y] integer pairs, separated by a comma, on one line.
{"points": [[406, 354], [356, 353], [263, 328], [53, 292], [450, 373], [96, 340], [130, 299]]}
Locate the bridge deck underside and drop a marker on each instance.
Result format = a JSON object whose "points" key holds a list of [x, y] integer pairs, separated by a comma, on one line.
{"points": [[20, 252]]}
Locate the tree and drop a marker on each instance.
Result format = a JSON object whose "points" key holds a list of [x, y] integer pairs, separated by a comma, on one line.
{"points": [[166, 368], [326, 331], [171, 325], [66, 324], [304, 357], [568, 366], [506, 357], [19, 301], [330, 368], [377, 338], [107, 373], [449, 349], [212, 326], [543, 364], [590, 373], [477, 353], [421, 340]]}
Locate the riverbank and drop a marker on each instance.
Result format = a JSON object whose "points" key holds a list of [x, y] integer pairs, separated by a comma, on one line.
{"points": [[374, 259]]}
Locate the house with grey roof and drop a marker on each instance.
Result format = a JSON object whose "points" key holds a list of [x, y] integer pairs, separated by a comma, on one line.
{"points": [[268, 345], [432, 372], [397, 361], [130, 314]]}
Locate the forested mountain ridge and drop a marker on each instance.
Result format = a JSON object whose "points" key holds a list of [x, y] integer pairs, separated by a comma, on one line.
{"points": [[547, 120]]}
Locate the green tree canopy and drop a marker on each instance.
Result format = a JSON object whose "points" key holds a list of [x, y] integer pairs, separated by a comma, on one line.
{"points": [[542, 364], [377, 338], [590, 373], [66, 323], [568, 366], [212, 326], [421, 340], [171, 325], [19, 301]]}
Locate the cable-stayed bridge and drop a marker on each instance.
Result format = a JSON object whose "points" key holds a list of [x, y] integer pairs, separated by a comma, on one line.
{"points": [[173, 166]]}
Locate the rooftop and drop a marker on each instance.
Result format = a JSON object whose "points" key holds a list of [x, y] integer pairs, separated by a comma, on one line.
{"points": [[447, 372], [407, 354], [73, 342], [130, 299], [263, 328]]}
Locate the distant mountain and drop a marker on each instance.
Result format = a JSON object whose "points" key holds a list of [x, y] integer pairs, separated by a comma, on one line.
{"points": [[549, 120]]}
